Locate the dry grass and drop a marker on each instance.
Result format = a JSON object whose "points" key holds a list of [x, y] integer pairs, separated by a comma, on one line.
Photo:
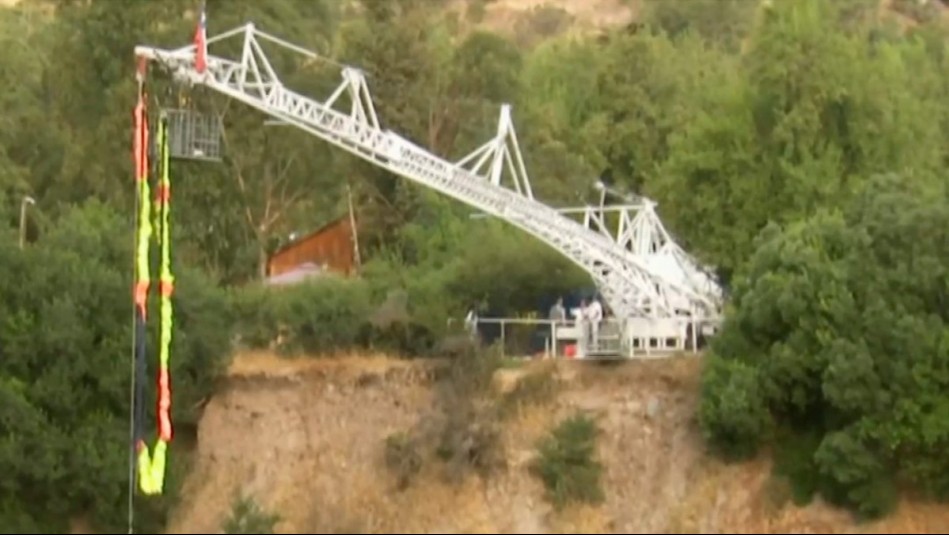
{"points": [[514, 18], [269, 364]]}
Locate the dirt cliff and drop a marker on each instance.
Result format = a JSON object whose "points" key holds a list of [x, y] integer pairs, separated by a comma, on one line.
{"points": [[306, 439]]}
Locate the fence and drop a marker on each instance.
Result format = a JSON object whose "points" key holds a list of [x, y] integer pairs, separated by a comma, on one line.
{"points": [[519, 337], [530, 337]]}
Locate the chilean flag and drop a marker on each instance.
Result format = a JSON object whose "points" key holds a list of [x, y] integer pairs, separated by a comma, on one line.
{"points": [[201, 43]]}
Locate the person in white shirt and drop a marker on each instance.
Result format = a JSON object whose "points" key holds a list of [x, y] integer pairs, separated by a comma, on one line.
{"points": [[594, 314], [471, 322], [583, 326]]}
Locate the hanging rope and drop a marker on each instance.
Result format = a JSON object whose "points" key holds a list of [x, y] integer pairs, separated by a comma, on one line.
{"points": [[151, 463], [140, 144], [147, 467]]}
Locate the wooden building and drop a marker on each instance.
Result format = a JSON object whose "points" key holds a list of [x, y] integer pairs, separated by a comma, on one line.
{"points": [[331, 248]]}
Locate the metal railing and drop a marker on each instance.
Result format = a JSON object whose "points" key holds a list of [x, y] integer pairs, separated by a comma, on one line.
{"points": [[544, 338], [519, 336]]}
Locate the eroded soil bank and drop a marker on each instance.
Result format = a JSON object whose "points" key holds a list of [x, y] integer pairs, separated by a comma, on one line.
{"points": [[306, 439]]}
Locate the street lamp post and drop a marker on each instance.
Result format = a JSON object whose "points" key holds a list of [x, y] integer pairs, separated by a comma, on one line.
{"points": [[23, 204]]}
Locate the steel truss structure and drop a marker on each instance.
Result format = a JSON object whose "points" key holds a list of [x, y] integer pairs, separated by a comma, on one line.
{"points": [[644, 277]]}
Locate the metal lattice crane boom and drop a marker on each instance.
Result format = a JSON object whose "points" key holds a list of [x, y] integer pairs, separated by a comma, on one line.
{"points": [[630, 284]]}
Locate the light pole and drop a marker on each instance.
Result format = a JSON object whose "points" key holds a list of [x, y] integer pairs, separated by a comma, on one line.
{"points": [[23, 204]]}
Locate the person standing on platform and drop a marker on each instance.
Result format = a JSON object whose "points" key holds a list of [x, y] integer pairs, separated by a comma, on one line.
{"points": [[558, 314], [583, 325], [594, 315], [471, 322], [558, 318]]}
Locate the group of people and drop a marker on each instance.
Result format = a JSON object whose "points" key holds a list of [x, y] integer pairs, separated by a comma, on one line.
{"points": [[588, 316]]}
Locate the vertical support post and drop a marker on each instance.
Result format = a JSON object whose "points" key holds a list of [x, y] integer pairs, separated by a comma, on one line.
{"points": [[630, 340], [503, 345], [695, 326], [647, 340], [27, 201], [582, 339], [500, 147], [553, 339], [352, 225]]}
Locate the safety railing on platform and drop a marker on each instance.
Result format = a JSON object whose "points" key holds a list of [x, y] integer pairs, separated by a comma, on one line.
{"points": [[543, 338], [519, 337]]}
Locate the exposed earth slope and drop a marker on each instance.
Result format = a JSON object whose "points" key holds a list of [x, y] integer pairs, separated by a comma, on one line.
{"points": [[306, 439]]}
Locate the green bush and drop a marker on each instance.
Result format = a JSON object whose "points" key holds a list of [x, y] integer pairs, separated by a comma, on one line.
{"points": [[248, 517], [794, 462], [468, 431], [403, 458], [732, 414], [838, 337], [66, 333], [203, 328], [476, 11], [535, 388], [312, 317], [855, 474], [567, 465], [66, 330]]}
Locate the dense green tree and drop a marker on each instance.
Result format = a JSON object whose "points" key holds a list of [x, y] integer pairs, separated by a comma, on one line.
{"points": [[723, 22], [762, 128], [64, 333], [839, 330], [562, 143], [800, 124]]}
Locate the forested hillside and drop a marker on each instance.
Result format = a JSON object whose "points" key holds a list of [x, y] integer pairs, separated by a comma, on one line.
{"points": [[800, 147]]}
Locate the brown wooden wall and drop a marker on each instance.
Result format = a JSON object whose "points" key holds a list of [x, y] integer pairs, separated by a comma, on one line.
{"points": [[332, 245]]}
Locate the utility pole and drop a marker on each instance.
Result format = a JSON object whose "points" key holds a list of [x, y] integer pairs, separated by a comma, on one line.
{"points": [[352, 224], [23, 204]]}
